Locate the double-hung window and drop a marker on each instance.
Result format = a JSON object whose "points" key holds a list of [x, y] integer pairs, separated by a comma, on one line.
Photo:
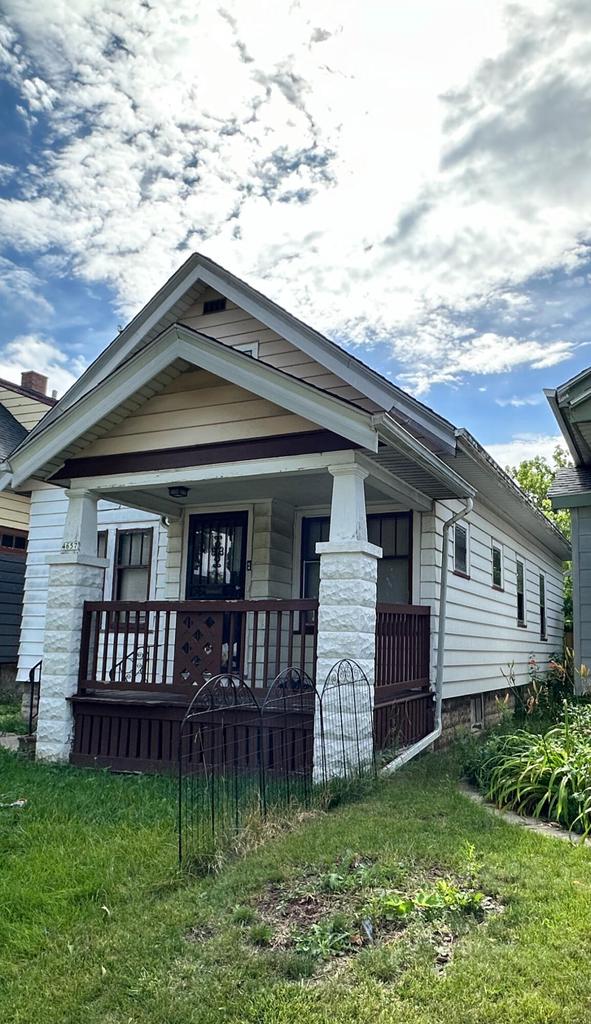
{"points": [[131, 571]]}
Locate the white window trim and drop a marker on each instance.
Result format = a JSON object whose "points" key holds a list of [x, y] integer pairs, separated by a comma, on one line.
{"points": [[523, 560], [250, 347], [497, 544], [466, 526], [111, 531]]}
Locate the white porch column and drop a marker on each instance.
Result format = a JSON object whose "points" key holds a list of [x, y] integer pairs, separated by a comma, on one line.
{"points": [[346, 625], [75, 576]]}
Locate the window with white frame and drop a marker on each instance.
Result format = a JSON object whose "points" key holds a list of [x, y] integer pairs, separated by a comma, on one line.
{"points": [[497, 565], [520, 588], [461, 549]]}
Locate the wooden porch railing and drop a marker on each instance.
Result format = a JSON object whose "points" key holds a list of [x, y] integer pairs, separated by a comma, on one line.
{"points": [[160, 652], [171, 648], [403, 644]]}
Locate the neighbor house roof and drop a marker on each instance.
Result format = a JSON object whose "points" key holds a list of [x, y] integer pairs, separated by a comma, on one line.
{"points": [[11, 432], [571, 487]]}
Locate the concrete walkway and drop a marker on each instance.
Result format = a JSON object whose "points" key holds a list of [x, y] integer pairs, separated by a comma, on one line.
{"points": [[9, 741], [543, 828]]}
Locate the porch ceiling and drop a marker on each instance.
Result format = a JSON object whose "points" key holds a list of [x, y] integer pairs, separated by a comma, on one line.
{"points": [[300, 489]]}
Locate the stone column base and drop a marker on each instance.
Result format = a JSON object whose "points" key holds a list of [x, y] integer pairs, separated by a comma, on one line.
{"points": [[73, 579], [346, 630]]}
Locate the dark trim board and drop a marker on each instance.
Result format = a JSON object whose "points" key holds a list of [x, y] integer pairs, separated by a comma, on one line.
{"points": [[307, 443]]}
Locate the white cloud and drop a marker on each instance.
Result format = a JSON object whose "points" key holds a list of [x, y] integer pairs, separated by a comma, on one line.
{"points": [[518, 401], [524, 446], [309, 149], [32, 352], [21, 288]]}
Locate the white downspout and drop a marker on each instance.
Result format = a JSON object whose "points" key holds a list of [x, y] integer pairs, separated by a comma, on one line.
{"points": [[427, 741]]}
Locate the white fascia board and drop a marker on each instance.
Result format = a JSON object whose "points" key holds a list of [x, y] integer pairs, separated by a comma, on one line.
{"points": [[396, 435], [255, 468], [5, 480], [122, 347], [180, 342], [562, 421]]}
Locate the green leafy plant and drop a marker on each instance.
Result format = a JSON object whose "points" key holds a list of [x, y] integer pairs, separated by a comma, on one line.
{"points": [[543, 774], [326, 939]]}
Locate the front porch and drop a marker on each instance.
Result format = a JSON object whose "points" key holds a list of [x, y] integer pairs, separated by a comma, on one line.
{"points": [[142, 663]]}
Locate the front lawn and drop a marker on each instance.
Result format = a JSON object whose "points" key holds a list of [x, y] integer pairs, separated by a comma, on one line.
{"points": [[472, 920], [11, 719]]}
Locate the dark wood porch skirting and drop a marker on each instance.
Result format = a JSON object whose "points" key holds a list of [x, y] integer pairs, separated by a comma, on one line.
{"points": [[140, 665]]}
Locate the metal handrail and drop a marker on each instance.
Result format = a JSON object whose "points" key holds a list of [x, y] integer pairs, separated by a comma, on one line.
{"points": [[34, 686]]}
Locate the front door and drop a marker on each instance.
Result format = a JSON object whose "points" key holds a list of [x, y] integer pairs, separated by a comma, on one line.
{"points": [[209, 642], [216, 565]]}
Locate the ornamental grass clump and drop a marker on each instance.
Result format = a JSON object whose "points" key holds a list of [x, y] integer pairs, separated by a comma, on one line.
{"points": [[547, 775]]}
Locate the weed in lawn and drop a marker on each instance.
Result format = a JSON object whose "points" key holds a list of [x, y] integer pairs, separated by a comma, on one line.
{"points": [[243, 915], [261, 934], [326, 939]]}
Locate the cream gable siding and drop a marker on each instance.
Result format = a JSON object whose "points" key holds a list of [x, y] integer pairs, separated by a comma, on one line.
{"points": [[14, 511], [482, 635], [27, 411], [48, 513], [234, 327], [197, 408]]}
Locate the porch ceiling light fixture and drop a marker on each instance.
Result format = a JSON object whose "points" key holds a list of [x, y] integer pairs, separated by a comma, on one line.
{"points": [[178, 492]]}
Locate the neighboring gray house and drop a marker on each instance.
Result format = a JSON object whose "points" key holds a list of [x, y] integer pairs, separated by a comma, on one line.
{"points": [[571, 404]]}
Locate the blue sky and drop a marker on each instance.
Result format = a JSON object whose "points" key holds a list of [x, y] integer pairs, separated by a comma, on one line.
{"points": [[413, 180]]}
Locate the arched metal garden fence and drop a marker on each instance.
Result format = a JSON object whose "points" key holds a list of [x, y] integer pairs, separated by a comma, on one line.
{"points": [[243, 756]]}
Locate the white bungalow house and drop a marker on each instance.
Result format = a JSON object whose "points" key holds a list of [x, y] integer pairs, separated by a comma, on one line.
{"points": [[302, 505]]}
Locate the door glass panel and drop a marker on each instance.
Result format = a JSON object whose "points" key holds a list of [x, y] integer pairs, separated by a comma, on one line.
{"points": [[217, 556]]}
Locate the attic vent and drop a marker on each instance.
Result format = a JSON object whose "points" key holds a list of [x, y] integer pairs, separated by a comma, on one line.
{"points": [[214, 306]]}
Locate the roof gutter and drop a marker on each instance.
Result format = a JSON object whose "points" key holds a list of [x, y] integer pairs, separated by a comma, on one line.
{"points": [[392, 433], [471, 447], [427, 741]]}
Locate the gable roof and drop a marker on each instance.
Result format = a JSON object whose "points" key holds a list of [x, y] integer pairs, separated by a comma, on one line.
{"points": [[183, 289], [11, 432], [413, 435]]}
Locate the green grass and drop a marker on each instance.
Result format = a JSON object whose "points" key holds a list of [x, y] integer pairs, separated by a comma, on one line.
{"points": [[97, 925], [11, 719]]}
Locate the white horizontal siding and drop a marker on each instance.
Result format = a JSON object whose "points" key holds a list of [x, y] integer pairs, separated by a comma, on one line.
{"points": [[482, 635], [14, 511], [27, 411], [233, 326], [48, 513]]}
